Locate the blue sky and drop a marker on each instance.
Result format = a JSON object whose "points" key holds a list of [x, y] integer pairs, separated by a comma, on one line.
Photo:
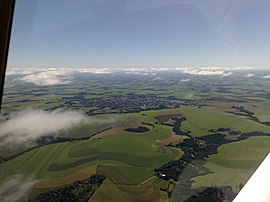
{"points": [[140, 33]]}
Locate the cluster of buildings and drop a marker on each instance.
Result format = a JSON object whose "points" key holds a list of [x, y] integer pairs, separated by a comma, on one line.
{"points": [[122, 103]]}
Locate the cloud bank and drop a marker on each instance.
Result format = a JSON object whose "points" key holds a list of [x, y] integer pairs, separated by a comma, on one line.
{"points": [[16, 188], [21, 71], [266, 77], [249, 75], [63, 76], [49, 77], [185, 80], [52, 76], [207, 71], [32, 124]]}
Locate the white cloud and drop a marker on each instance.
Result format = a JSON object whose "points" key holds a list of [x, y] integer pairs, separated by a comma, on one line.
{"points": [[31, 124], [158, 78], [138, 73], [185, 80], [266, 77], [49, 77], [206, 71], [227, 74], [21, 71], [94, 70], [61, 76], [52, 76], [237, 68], [16, 188], [249, 75]]}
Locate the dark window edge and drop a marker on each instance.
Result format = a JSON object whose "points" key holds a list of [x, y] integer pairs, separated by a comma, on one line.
{"points": [[6, 17]]}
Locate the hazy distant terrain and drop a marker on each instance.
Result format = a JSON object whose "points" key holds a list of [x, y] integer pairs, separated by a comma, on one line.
{"points": [[132, 134]]}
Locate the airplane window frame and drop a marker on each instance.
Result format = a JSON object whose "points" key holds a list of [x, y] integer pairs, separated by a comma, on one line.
{"points": [[6, 19]]}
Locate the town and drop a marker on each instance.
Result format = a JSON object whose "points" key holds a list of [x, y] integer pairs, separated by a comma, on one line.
{"points": [[120, 104]]}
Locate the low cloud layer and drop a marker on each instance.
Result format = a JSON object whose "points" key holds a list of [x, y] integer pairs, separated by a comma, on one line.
{"points": [[32, 124], [62, 76], [207, 71], [266, 77], [249, 75], [16, 188], [94, 70], [49, 77], [52, 76], [185, 80], [21, 71]]}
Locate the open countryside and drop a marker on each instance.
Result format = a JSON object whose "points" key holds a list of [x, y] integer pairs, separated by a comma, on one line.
{"points": [[147, 144]]}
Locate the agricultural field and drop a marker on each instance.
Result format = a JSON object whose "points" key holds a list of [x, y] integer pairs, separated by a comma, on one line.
{"points": [[201, 120], [152, 137], [125, 158], [235, 163]]}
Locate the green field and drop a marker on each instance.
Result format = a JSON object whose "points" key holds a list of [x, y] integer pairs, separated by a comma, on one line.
{"points": [[128, 160], [235, 163], [122, 193], [200, 120], [65, 158], [261, 110], [125, 158], [97, 123]]}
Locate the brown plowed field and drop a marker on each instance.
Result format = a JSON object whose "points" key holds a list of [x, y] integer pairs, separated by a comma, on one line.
{"points": [[167, 117]]}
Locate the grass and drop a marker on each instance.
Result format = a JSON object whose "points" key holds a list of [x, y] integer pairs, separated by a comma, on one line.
{"points": [[200, 120], [234, 163], [129, 159], [130, 155], [125, 175], [261, 110], [109, 191], [57, 182]]}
